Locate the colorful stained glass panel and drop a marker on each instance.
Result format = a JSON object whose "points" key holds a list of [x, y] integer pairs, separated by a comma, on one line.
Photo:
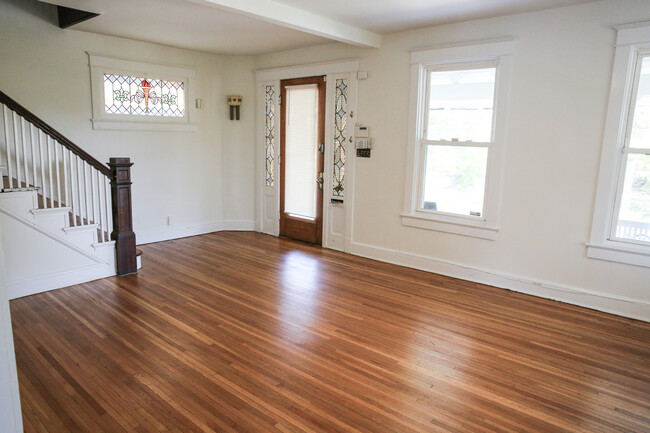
{"points": [[269, 135], [142, 96], [340, 135]]}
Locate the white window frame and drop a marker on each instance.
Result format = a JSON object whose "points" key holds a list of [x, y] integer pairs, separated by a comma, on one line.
{"points": [[632, 41], [498, 52], [100, 65]]}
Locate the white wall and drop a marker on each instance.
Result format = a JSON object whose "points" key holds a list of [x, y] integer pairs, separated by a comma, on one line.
{"points": [[177, 174], [563, 65], [10, 416], [238, 150]]}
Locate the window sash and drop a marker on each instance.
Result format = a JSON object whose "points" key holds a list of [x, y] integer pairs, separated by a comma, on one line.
{"points": [[425, 143], [422, 171], [629, 124], [458, 66], [626, 150]]}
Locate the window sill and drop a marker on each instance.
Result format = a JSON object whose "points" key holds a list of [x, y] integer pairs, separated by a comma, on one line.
{"points": [[459, 228], [125, 125], [620, 253]]}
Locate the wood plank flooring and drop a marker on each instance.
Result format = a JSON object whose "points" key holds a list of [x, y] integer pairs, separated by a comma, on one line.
{"points": [[242, 332]]}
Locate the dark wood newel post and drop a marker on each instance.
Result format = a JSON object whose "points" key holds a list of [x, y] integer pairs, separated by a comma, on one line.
{"points": [[122, 234]]}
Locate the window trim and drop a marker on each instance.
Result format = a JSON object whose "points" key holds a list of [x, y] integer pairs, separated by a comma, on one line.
{"points": [[100, 65], [498, 52], [632, 40]]}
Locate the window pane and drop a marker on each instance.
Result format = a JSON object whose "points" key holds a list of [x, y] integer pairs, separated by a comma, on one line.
{"points": [[340, 134], [461, 105], [454, 179], [300, 151], [269, 136], [125, 94], [640, 136], [634, 216]]}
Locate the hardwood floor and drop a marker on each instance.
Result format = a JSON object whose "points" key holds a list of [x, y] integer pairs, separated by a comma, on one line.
{"points": [[242, 332]]}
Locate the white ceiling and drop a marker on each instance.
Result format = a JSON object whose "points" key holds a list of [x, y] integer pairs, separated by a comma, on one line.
{"points": [[250, 27], [387, 16]]}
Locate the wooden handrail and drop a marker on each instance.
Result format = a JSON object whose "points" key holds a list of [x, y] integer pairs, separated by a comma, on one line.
{"points": [[47, 129]]}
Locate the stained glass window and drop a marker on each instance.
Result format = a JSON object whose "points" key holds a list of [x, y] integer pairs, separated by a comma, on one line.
{"points": [[269, 135], [143, 96], [340, 135]]}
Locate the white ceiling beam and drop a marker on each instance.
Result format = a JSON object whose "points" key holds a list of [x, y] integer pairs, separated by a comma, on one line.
{"points": [[298, 19]]}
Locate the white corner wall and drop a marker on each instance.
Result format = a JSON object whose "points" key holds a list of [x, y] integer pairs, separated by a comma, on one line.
{"points": [[563, 65], [182, 175], [10, 416]]}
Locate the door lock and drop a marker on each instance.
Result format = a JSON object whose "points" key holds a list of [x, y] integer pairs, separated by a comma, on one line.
{"points": [[319, 181]]}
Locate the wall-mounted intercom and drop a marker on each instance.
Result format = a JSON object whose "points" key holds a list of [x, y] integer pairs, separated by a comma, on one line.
{"points": [[234, 101], [362, 140]]}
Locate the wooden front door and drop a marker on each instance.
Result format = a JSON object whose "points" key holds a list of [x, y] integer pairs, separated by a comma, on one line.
{"points": [[302, 139]]}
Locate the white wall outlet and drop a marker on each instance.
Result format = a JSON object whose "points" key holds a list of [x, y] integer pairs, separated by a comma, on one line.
{"points": [[169, 220]]}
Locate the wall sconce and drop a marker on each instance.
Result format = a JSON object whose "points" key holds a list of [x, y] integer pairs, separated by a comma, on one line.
{"points": [[235, 102]]}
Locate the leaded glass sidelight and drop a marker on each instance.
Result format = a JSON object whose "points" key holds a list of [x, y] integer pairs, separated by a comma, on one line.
{"points": [[142, 96], [269, 135], [340, 135]]}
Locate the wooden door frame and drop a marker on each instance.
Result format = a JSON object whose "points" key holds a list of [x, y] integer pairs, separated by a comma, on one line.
{"points": [[298, 227]]}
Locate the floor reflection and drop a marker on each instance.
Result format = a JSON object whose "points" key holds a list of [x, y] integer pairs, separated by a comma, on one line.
{"points": [[300, 290]]}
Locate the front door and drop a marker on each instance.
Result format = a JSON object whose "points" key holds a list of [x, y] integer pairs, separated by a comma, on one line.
{"points": [[302, 139]]}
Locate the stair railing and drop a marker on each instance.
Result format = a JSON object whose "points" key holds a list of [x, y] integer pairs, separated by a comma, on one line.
{"points": [[37, 157]]}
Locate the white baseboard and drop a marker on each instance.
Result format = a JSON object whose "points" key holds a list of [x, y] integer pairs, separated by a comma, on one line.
{"points": [[195, 230], [622, 306], [241, 226], [57, 280]]}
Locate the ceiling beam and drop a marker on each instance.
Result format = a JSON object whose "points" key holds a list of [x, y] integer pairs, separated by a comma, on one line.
{"points": [[298, 19], [69, 17]]}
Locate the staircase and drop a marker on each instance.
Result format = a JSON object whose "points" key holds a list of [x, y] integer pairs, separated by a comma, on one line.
{"points": [[65, 217]]}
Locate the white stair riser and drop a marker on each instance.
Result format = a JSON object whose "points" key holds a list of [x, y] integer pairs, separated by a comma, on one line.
{"points": [[20, 203], [24, 204], [52, 221], [83, 237], [105, 251]]}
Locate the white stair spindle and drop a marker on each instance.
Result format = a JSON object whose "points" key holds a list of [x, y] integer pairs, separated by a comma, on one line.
{"points": [[40, 156], [86, 198], [23, 147], [93, 201], [109, 207], [58, 172], [73, 188], [33, 156], [49, 172], [5, 116], [4, 129], [79, 192], [16, 154], [100, 207], [66, 175]]}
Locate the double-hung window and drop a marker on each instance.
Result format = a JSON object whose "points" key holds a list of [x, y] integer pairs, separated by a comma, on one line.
{"points": [[458, 103], [621, 226]]}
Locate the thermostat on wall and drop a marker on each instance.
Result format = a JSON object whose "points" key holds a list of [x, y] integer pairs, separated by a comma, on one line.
{"points": [[361, 131]]}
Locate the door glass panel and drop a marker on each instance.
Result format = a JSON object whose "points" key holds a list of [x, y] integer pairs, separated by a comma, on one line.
{"points": [[300, 151]]}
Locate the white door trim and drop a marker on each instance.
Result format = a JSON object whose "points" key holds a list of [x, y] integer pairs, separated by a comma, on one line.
{"points": [[268, 197]]}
